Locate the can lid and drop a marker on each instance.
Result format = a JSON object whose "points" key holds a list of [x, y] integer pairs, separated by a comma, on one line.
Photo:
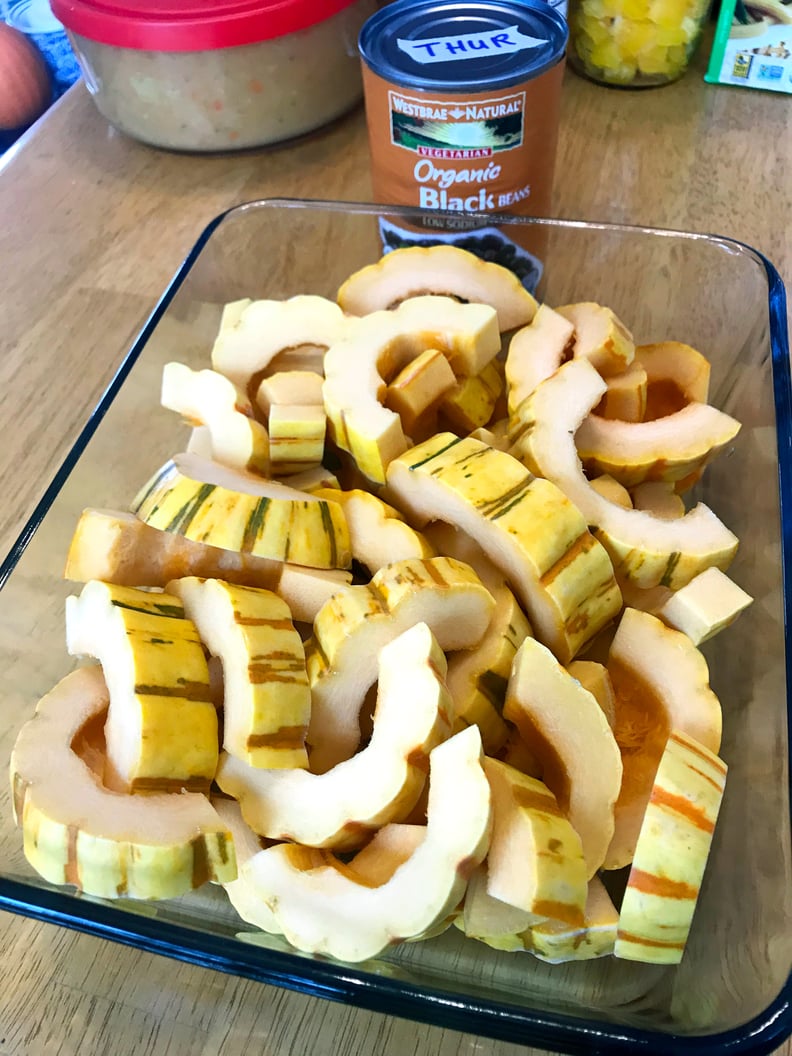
{"points": [[453, 46], [190, 25]]}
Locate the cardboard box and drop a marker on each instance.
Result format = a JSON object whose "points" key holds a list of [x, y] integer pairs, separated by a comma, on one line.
{"points": [[753, 53]]}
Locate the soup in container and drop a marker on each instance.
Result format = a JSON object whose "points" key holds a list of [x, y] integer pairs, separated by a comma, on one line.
{"points": [[462, 106], [217, 75]]}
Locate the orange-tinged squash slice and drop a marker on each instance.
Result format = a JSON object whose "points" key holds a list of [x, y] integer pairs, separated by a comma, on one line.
{"points": [[116, 547], [667, 449], [672, 851], [661, 683], [625, 397], [600, 337], [564, 725], [643, 548], [106, 843], [556, 943], [535, 859], [323, 906], [676, 375]]}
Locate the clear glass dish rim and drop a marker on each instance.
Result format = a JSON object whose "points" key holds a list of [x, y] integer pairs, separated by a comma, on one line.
{"points": [[336, 981]]}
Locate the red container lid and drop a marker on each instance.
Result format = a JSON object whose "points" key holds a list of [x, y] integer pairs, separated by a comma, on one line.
{"points": [[190, 25]]}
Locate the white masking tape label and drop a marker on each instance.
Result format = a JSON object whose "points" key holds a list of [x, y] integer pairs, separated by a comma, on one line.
{"points": [[469, 45]]}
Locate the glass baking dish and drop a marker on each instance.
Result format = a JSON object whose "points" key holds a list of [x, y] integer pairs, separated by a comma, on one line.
{"points": [[732, 991]]}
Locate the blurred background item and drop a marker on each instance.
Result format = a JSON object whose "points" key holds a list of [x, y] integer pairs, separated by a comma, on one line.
{"points": [[218, 75], [37, 65], [634, 43]]}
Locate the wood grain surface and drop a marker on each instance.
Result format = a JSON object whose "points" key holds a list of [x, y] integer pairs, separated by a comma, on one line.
{"points": [[92, 226]]}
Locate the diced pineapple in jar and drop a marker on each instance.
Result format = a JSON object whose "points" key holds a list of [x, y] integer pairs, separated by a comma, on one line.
{"points": [[668, 13], [634, 38], [649, 40], [654, 60], [635, 9]]}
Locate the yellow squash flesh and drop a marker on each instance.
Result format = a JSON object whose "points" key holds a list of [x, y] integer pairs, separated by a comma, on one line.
{"points": [[266, 696], [161, 729]]}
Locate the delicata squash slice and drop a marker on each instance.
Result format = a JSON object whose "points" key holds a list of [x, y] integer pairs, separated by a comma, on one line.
{"points": [[356, 623], [660, 683], [253, 333], [535, 352], [667, 449], [444, 270], [212, 504], [108, 844], [625, 397], [116, 547], [161, 729], [378, 532], [671, 854], [322, 905], [600, 337], [344, 806], [676, 374], [357, 370], [564, 726], [204, 397], [535, 860], [526, 526], [645, 549], [246, 844], [555, 941], [266, 697]]}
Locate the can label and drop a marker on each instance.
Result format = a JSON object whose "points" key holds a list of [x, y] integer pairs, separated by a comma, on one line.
{"points": [[483, 152]]}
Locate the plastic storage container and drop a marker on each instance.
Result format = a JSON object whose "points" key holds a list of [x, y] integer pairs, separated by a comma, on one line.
{"points": [[217, 75], [634, 43], [731, 993]]}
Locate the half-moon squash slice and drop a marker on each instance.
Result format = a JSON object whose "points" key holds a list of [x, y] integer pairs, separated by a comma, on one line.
{"points": [[323, 907], [440, 270], [643, 548], [342, 807], [108, 844], [661, 683]]}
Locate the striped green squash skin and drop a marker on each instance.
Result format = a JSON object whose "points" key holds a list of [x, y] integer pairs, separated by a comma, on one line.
{"points": [[310, 532], [567, 584], [161, 730]]}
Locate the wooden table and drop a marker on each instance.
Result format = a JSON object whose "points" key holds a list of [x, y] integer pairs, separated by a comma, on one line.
{"points": [[92, 226]]}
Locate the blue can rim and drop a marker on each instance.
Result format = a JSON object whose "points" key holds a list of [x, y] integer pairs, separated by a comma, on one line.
{"points": [[380, 52]]}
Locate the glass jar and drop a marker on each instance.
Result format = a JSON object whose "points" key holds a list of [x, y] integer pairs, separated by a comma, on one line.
{"points": [[634, 43]]}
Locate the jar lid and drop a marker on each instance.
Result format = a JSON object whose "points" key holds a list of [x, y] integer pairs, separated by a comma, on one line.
{"points": [[190, 25], [453, 46]]}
